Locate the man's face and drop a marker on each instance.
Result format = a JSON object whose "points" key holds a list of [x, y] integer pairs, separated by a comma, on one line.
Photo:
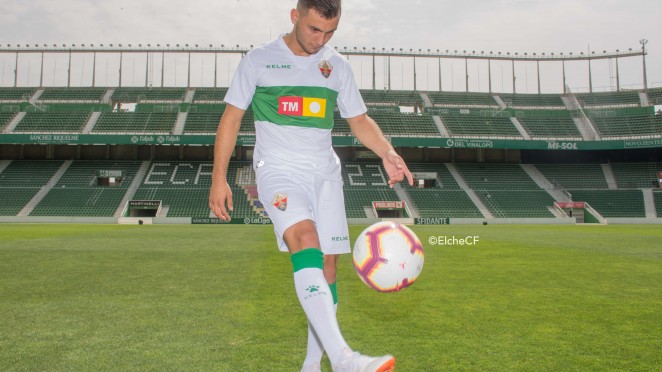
{"points": [[312, 31]]}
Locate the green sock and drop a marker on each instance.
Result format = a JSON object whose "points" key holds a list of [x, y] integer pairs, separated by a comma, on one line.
{"points": [[334, 293], [307, 258]]}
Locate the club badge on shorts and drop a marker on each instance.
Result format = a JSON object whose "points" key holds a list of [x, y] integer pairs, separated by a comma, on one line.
{"points": [[325, 68], [280, 201]]}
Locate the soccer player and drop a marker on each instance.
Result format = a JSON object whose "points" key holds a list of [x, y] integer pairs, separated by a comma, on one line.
{"points": [[293, 84]]}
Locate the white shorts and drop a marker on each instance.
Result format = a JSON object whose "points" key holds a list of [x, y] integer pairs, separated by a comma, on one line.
{"points": [[289, 198]]}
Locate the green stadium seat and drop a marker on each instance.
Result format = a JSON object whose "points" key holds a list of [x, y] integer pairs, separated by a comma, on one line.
{"points": [[531, 101], [21, 181], [628, 126], [609, 99], [496, 177], [16, 94], [549, 125], [480, 126], [209, 95], [206, 122], [636, 175], [77, 192], [442, 203], [391, 98], [655, 96], [457, 99], [36, 122], [657, 198], [613, 203], [135, 122], [155, 95], [574, 176], [87, 94]]}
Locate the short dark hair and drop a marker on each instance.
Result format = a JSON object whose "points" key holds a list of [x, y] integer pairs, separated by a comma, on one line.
{"points": [[326, 8]]}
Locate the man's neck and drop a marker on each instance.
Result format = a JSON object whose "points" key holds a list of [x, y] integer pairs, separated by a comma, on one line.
{"points": [[292, 43]]}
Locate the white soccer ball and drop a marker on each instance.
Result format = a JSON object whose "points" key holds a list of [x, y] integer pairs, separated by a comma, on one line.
{"points": [[388, 256]]}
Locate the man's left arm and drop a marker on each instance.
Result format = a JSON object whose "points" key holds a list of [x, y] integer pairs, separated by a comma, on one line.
{"points": [[368, 132]]}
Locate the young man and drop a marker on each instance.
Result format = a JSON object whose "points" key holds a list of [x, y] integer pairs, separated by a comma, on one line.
{"points": [[293, 84]]}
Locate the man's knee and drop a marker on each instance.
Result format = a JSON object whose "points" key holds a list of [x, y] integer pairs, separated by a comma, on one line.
{"points": [[301, 235]]}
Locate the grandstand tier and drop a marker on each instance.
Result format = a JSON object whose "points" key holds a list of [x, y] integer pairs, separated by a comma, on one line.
{"points": [[574, 176], [613, 203], [135, 122], [36, 122]]}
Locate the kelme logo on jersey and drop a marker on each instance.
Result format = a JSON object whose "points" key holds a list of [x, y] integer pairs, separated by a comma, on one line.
{"points": [[302, 106]]}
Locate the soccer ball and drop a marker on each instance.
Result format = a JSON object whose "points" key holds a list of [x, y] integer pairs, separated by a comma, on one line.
{"points": [[388, 256]]}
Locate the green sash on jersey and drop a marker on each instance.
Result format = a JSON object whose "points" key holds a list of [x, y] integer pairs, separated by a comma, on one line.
{"points": [[310, 107]]}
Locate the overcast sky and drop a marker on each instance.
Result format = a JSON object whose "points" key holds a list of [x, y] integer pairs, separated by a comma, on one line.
{"points": [[482, 25]]}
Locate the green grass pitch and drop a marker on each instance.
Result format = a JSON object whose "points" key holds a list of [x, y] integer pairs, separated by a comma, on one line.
{"points": [[203, 298]]}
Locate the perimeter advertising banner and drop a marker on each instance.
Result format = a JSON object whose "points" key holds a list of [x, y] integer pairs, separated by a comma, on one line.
{"points": [[340, 141]]}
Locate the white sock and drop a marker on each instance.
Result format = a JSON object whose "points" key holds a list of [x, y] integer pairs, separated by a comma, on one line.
{"points": [[315, 350], [317, 301]]}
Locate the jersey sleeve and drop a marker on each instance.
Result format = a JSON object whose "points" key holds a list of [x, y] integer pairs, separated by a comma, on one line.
{"points": [[350, 102], [242, 88]]}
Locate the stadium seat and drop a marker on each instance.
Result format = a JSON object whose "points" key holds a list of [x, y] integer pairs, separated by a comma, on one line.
{"points": [[78, 194], [35, 122], [14, 95], [135, 122], [574, 176], [21, 181], [87, 94], [613, 203]]}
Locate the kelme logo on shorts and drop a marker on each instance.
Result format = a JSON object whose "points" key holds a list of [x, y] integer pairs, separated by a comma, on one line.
{"points": [[302, 106]]}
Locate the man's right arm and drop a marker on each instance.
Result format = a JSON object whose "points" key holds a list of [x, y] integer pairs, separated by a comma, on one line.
{"points": [[220, 193]]}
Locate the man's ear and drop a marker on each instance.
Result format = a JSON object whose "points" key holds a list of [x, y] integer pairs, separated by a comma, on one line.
{"points": [[294, 16]]}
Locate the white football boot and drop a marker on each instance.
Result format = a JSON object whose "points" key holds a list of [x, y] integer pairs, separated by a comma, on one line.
{"points": [[355, 362]]}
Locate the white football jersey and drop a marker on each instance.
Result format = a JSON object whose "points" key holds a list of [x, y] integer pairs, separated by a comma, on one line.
{"points": [[293, 100]]}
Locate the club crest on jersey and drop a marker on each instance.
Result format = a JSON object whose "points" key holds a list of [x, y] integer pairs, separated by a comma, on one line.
{"points": [[325, 68], [280, 201]]}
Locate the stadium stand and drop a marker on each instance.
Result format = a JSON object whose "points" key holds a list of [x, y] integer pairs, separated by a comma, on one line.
{"points": [[138, 94], [183, 188], [657, 196], [205, 122], [5, 118], [364, 183], [574, 176], [609, 99], [455, 99], [35, 122], [405, 124], [496, 177], [628, 125], [135, 122], [533, 101], [636, 175], [21, 181], [613, 203], [209, 95], [391, 98], [655, 96], [78, 194], [72, 95], [435, 202], [480, 126], [519, 204], [548, 127], [16, 94], [507, 190]]}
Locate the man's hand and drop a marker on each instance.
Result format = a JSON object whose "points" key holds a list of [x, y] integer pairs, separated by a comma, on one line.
{"points": [[396, 169], [220, 194]]}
